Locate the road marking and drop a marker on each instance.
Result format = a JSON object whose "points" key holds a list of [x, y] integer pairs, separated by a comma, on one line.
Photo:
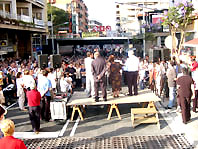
{"points": [[64, 128], [32, 135], [11, 105], [74, 128]]}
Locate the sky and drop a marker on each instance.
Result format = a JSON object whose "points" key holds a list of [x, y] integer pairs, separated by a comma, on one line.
{"points": [[102, 11]]}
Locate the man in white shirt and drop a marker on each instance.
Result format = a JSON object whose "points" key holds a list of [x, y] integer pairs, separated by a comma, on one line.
{"points": [[44, 87], [27, 79], [89, 76], [132, 67]]}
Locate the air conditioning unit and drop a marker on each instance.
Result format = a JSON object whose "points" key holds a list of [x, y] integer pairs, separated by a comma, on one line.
{"points": [[3, 42]]}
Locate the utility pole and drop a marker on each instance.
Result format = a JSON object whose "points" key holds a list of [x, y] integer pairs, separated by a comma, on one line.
{"points": [[52, 31], [143, 31]]}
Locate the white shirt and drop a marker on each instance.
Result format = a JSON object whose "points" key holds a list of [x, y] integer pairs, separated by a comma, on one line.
{"points": [[52, 78], [88, 62], [28, 80], [64, 85], [132, 63]]}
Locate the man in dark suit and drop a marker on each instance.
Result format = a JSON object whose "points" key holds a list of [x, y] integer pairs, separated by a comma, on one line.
{"points": [[98, 68]]}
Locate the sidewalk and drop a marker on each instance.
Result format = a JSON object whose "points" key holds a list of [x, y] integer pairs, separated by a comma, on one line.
{"points": [[174, 120]]}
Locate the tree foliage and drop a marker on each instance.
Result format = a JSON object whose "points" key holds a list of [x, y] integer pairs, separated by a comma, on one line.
{"points": [[59, 17], [178, 18]]}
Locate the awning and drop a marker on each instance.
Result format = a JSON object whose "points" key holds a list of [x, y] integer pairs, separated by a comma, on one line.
{"points": [[191, 43]]}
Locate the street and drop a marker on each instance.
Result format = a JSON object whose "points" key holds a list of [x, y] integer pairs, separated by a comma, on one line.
{"points": [[95, 124]]}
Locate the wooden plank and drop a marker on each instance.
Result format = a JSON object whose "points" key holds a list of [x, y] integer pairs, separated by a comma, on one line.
{"points": [[144, 96], [143, 110], [141, 120]]}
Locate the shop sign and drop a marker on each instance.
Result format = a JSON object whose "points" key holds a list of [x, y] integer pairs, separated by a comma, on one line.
{"points": [[90, 34]]}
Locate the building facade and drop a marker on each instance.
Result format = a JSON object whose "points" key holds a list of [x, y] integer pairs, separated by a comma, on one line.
{"points": [[20, 21], [78, 11], [92, 24], [128, 13]]}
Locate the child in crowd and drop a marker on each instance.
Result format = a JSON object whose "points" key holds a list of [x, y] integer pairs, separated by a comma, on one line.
{"points": [[69, 81], [83, 76], [63, 86]]}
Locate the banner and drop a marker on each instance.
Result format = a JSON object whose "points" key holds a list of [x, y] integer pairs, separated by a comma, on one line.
{"points": [[101, 28], [90, 34]]}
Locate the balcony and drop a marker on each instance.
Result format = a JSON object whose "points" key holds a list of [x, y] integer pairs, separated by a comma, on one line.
{"points": [[7, 15], [20, 20], [24, 18], [154, 28], [39, 23], [40, 2]]}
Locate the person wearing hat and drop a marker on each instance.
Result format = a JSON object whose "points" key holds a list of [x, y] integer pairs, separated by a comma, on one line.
{"points": [[8, 141], [3, 111], [132, 67], [34, 98]]}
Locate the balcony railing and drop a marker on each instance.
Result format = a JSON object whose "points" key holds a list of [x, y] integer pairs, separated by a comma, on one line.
{"points": [[24, 18], [40, 2], [39, 23], [7, 15], [28, 19]]}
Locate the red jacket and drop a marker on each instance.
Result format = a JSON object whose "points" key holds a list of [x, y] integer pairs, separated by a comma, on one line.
{"points": [[10, 142], [34, 98]]}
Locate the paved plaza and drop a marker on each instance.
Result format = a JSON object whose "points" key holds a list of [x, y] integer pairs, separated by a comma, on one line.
{"points": [[96, 125]]}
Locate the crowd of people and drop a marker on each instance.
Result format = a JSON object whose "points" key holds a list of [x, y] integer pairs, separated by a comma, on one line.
{"points": [[23, 80]]}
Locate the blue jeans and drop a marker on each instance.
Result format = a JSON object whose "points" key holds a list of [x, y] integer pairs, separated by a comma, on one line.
{"points": [[172, 96], [142, 84]]}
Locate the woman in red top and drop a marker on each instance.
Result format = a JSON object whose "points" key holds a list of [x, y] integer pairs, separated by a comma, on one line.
{"points": [[193, 67], [34, 98]]}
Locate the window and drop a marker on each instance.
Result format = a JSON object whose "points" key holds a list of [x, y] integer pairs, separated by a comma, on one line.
{"points": [[39, 16], [1, 7], [118, 18], [7, 7], [25, 11], [22, 11], [19, 11]]}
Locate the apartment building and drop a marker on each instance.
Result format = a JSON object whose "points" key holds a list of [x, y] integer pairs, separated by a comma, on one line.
{"points": [[92, 24], [129, 12], [22, 24], [79, 14]]}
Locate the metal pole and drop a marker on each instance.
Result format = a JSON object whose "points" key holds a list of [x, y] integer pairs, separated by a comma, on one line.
{"points": [[143, 30], [52, 32]]}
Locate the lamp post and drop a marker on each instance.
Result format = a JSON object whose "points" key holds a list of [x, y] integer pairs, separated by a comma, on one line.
{"points": [[52, 29]]}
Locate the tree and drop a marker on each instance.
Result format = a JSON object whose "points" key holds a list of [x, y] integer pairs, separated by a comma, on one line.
{"points": [[178, 18], [59, 17]]}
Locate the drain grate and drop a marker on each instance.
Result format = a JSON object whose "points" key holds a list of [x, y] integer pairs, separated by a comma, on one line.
{"points": [[134, 142]]}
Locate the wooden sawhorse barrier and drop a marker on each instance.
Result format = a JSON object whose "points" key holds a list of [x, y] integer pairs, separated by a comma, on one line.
{"points": [[150, 115], [110, 109], [77, 108]]}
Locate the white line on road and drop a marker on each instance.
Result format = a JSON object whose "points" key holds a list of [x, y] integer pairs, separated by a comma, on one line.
{"points": [[64, 128], [32, 135], [74, 128], [11, 105]]}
